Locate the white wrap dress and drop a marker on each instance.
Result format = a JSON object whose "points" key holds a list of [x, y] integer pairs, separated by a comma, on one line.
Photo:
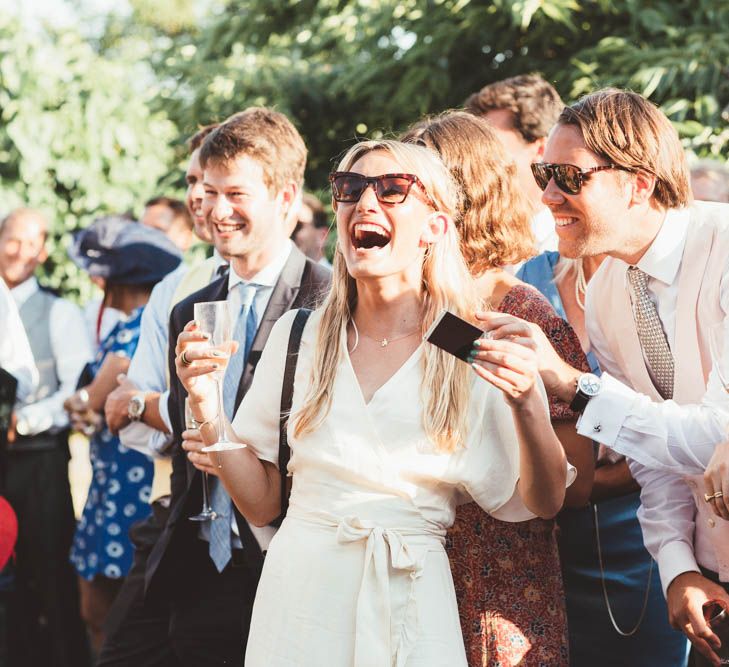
{"points": [[357, 574]]}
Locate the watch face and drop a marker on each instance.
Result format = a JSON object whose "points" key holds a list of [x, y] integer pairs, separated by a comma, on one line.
{"points": [[136, 406], [589, 384]]}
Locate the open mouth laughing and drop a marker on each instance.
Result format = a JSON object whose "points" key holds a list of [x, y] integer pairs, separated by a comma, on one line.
{"points": [[369, 235]]}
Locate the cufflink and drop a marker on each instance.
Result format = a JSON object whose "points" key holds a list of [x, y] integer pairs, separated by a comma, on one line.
{"points": [[597, 428]]}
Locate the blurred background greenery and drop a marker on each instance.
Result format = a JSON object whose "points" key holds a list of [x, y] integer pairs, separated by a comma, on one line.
{"points": [[95, 106]]}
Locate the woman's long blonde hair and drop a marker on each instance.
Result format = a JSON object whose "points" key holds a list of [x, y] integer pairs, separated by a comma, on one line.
{"points": [[447, 284]]}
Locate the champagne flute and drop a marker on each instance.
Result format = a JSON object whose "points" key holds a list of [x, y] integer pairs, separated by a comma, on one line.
{"points": [[213, 317], [206, 513], [719, 349]]}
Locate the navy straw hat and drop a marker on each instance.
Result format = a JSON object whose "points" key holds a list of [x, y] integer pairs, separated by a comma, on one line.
{"points": [[124, 251]]}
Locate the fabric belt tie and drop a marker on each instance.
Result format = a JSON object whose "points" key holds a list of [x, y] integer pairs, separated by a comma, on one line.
{"points": [[374, 625]]}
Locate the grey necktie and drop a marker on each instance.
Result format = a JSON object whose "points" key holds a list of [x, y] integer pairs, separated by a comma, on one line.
{"points": [[650, 333]]}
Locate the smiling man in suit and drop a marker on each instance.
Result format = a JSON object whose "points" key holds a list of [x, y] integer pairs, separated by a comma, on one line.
{"points": [[253, 169]]}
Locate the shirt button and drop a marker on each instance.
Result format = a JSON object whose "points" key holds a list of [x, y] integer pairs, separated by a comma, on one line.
{"points": [[711, 523], [597, 428]]}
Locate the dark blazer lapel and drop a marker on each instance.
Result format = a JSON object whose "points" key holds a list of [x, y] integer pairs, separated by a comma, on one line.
{"points": [[219, 289], [284, 293]]}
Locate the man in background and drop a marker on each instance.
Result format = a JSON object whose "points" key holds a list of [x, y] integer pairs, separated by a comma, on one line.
{"points": [[45, 626], [710, 181], [522, 110], [312, 229], [171, 217], [138, 409]]}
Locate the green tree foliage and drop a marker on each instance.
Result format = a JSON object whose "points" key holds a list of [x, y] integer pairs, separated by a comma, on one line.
{"points": [[84, 123], [344, 68], [77, 137]]}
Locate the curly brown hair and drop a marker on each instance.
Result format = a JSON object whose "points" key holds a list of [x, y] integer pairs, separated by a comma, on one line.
{"points": [[534, 103], [493, 220]]}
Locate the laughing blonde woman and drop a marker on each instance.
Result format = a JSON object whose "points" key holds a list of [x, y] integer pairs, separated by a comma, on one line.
{"points": [[387, 433]]}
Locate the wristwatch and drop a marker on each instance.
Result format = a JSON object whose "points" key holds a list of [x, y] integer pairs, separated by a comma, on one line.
{"points": [[136, 406], [588, 386]]}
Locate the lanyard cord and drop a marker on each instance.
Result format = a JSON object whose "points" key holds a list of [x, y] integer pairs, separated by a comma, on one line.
{"points": [[620, 631]]}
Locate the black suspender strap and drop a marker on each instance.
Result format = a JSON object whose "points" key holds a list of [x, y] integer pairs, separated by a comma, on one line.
{"points": [[287, 395]]}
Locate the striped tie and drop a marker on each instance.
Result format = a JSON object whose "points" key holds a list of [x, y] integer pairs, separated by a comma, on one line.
{"points": [[244, 332]]}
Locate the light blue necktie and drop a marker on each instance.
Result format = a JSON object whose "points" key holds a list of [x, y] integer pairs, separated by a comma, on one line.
{"points": [[244, 332]]}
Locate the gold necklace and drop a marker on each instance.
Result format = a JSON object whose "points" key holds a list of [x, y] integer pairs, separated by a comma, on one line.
{"points": [[384, 342]]}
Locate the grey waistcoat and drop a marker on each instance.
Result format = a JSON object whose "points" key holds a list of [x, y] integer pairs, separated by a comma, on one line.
{"points": [[36, 316]]}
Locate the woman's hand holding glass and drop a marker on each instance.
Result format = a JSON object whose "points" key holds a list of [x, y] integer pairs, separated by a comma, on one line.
{"points": [[506, 360], [199, 367], [193, 444]]}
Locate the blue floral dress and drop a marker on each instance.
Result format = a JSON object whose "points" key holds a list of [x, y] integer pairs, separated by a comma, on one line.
{"points": [[121, 483]]}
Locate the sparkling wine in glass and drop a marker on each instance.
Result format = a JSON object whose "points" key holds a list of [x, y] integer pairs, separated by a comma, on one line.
{"points": [[719, 349], [213, 317], [206, 513]]}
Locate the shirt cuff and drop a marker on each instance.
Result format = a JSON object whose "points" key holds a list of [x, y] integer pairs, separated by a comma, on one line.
{"points": [[164, 409], [605, 414], [673, 559], [34, 419]]}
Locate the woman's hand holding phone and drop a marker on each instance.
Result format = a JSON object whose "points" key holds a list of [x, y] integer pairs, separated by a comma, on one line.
{"points": [[502, 351], [509, 362]]}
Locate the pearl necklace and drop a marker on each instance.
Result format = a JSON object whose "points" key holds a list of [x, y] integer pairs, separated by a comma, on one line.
{"points": [[580, 285], [384, 342]]}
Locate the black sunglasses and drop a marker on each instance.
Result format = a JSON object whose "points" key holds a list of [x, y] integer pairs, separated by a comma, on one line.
{"points": [[349, 186], [567, 177]]}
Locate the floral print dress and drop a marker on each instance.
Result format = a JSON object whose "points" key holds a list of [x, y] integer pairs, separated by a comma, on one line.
{"points": [[121, 483], [507, 575]]}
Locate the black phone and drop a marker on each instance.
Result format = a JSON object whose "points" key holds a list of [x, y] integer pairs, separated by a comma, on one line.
{"points": [[452, 334]]}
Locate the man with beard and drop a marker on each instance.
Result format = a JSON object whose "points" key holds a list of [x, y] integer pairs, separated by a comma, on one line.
{"points": [[615, 178]]}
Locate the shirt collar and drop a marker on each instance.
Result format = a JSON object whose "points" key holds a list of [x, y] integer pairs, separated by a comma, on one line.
{"points": [[269, 274], [663, 258], [21, 293]]}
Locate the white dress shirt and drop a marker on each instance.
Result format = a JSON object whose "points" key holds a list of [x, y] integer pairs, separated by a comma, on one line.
{"points": [[543, 228], [71, 349], [545, 236], [148, 368], [666, 436], [109, 319], [15, 353], [663, 441]]}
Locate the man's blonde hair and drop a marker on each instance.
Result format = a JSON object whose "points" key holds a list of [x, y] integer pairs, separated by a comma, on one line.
{"points": [[446, 282], [629, 131]]}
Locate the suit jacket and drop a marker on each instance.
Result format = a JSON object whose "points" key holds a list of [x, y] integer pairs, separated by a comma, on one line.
{"points": [[302, 284]]}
